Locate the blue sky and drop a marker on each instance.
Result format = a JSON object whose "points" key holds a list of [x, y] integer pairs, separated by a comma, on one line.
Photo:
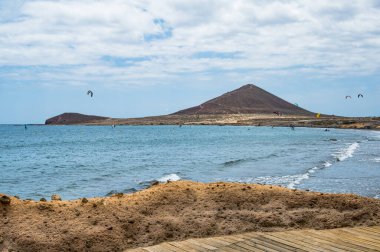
{"points": [[144, 58]]}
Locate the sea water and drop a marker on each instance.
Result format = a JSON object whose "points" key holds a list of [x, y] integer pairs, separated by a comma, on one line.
{"points": [[87, 161]]}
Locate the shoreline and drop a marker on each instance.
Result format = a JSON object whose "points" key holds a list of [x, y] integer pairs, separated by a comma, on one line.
{"points": [[177, 211], [324, 121]]}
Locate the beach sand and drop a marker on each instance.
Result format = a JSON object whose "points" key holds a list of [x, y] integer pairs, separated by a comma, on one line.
{"points": [[175, 211]]}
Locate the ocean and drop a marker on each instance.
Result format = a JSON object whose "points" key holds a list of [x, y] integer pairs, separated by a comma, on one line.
{"points": [[88, 161]]}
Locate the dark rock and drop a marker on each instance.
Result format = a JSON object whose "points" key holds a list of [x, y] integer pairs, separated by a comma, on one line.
{"points": [[43, 200], [84, 200], [56, 197], [154, 183], [5, 200]]}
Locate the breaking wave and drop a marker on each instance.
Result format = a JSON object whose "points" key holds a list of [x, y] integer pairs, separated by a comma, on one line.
{"points": [[170, 177], [291, 181], [346, 152]]}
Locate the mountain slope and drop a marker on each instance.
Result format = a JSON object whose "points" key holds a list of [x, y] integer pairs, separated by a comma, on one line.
{"points": [[73, 118], [248, 99]]}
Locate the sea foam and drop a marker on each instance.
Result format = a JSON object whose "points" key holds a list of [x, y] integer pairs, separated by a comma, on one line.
{"points": [[346, 152], [171, 177]]}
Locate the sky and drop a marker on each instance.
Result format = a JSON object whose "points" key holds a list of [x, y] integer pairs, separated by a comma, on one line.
{"points": [[143, 58]]}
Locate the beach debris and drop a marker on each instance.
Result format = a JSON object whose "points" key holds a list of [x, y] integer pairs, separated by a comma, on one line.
{"points": [[56, 197], [5, 200], [348, 96], [43, 200], [89, 92], [360, 95], [154, 183], [84, 200]]}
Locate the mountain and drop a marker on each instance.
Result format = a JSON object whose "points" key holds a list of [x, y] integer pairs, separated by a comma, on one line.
{"points": [[248, 99], [73, 118]]}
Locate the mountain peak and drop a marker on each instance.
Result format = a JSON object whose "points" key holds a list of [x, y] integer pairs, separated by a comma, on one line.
{"points": [[248, 99]]}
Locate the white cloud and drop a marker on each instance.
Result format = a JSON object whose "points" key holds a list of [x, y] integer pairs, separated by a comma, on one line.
{"points": [[68, 40]]}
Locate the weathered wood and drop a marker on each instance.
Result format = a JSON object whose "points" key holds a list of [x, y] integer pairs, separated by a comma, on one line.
{"points": [[336, 240], [261, 240]]}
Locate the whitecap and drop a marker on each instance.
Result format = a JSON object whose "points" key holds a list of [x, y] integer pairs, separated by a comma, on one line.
{"points": [[346, 152], [327, 164], [171, 177]]}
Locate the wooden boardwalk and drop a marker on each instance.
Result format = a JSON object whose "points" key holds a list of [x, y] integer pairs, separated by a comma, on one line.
{"points": [[341, 239]]}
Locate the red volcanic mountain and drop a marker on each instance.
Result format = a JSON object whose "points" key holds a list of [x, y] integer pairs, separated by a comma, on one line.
{"points": [[73, 118], [248, 99]]}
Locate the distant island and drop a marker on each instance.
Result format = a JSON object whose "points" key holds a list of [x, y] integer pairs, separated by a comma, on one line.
{"points": [[247, 105]]}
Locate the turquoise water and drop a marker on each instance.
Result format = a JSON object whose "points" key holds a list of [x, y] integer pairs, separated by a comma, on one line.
{"points": [[86, 161]]}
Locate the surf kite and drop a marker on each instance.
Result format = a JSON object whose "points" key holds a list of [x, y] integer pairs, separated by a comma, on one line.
{"points": [[347, 96], [360, 95], [89, 92]]}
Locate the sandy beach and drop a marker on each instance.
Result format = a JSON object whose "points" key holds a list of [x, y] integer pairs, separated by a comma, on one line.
{"points": [[175, 211]]}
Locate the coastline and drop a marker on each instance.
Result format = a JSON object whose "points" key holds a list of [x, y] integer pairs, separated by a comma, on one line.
{"points": [[325, 121], [176, 211]]}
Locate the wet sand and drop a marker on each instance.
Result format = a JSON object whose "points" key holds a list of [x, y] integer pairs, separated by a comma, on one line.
{"points": [[175, 211]]}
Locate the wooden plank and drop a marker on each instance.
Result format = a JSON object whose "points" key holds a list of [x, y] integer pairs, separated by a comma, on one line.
{"points": [[368, 235], [229, 239], [372, 230], [315, 246], [228, 249], [201, 244], [194, 246], [335, 241], [213, 243], [346, 236], [182, 245], [272, 244], [283, 242], [170, 247], [260, 246], [137, 250], [368, 231], [318, 237], [217, 242], [238, 248], [310, 241], [157, 248], [362, 236], [376, 228]]}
